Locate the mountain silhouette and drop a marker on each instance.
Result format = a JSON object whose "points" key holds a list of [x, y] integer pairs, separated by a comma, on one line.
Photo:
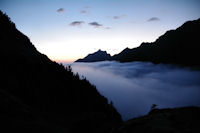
{"points": [[96, 56], [176, 120], [39, 95], [180, 46]]}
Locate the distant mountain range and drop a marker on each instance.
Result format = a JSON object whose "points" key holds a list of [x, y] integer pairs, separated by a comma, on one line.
{"points": [[180, 46], [97, 56]]}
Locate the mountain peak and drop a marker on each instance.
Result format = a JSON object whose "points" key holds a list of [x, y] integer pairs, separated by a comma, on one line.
{"points": [[96, 56], [99, 50]]}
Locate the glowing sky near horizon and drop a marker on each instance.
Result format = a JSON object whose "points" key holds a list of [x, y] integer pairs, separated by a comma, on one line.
{"points": [[66, 30]]}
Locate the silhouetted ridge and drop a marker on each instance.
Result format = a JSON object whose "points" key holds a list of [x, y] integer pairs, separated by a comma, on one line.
{"points": [[96, 56], [38, 95], [177, 120], [180, 46]]}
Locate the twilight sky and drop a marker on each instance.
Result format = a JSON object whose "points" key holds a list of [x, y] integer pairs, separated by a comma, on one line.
{"points": [[66, 30]]}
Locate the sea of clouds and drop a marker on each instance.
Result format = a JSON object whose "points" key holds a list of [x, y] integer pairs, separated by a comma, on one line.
{"points": [[134, 87]]}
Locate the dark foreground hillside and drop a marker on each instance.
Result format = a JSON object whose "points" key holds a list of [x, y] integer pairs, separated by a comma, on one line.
{"points": [[180, 46], [177, 120], [38, 95]]}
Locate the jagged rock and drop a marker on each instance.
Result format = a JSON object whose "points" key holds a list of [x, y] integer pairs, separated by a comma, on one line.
{"points": [[96, 56]]}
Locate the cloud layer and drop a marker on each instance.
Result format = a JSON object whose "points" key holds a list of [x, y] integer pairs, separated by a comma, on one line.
{"points": [[118, 17], [60, 10], [76, 23], [95, 24], [134, 87], [153, 19], [83, 11]]}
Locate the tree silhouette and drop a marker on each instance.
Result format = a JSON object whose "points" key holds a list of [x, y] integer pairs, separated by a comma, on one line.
{"points": [[153, 106]]}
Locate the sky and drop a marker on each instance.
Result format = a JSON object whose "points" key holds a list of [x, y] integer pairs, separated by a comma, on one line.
{"points": [[66, 30]]}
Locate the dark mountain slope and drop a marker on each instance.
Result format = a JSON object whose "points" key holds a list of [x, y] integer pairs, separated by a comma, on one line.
{"points": [[177, 120], [96, 56], [38, 95], [180, 46]]}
